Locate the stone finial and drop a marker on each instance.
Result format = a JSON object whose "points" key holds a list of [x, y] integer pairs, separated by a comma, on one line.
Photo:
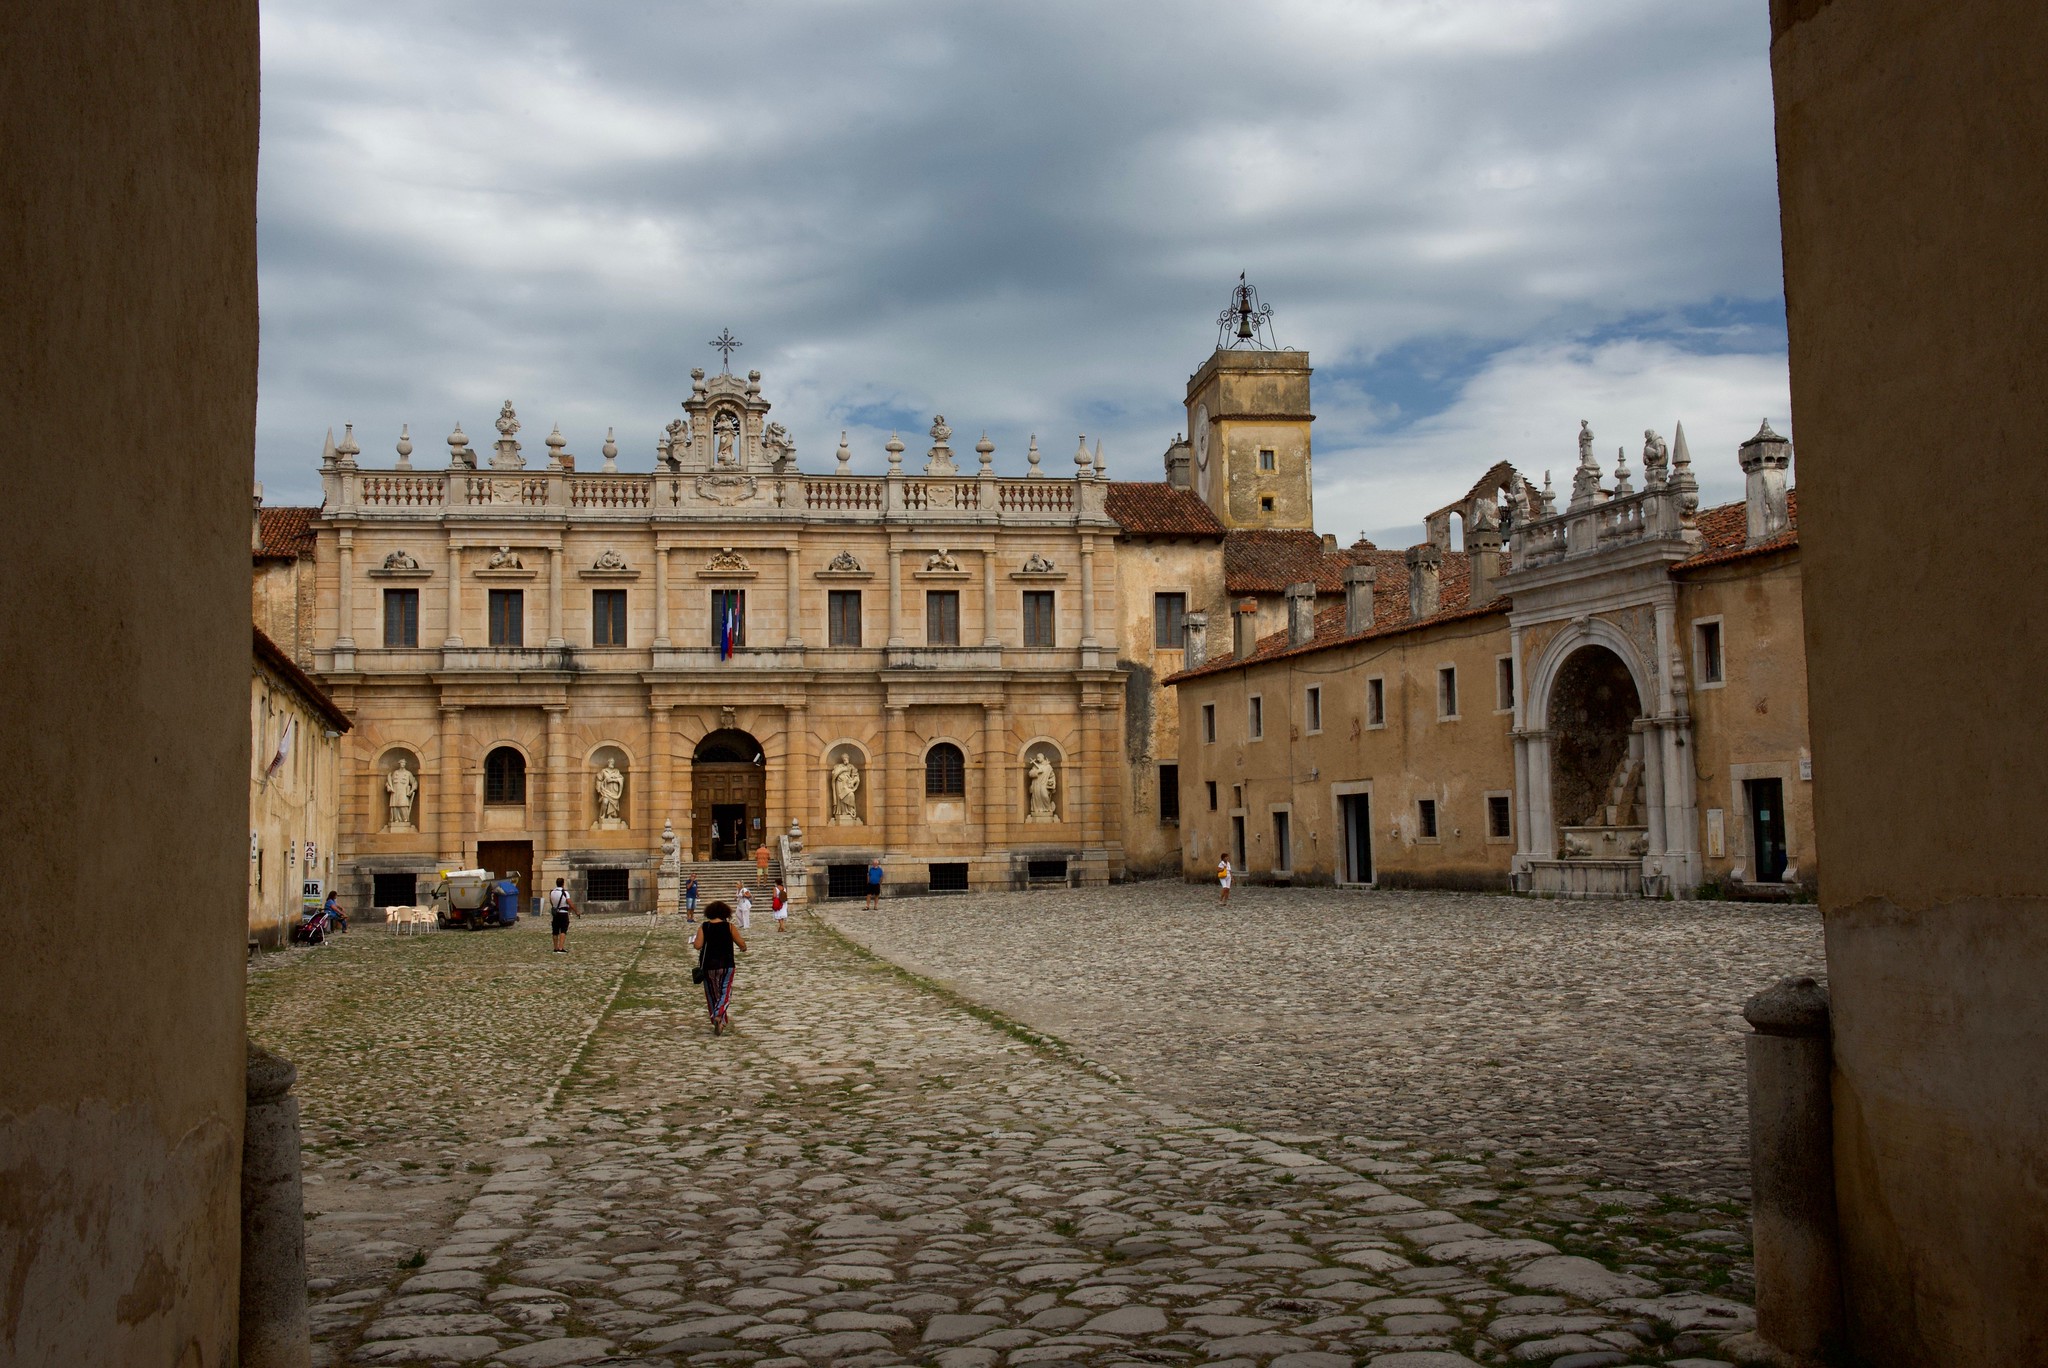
{"points": [[1789, 1007], [753, 382], [611, 451], [845, 455], [1546, 500], [459, 453], [1301, 613], [556, 444], [404, 446], [1082, 460], [327, 449], [696, 379], [1031, 455], [346, 451], [1358, 604], [1683, 481], [1425, 581], [986, 451], [1101, 472], [894, 446], [1622, 488]]}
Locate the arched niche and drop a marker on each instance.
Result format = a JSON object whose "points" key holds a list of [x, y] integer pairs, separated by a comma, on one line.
{"points": [[402, 794], [945, 782], [610, 785], [1043, 775], [846, 784], [1596, 771], [505, 777]]}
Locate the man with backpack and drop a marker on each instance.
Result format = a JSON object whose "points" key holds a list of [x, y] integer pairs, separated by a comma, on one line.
{"points": [[560, 908]]}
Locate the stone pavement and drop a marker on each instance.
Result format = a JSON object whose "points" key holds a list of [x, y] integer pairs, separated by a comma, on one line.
{"points": [[521, 1158]]}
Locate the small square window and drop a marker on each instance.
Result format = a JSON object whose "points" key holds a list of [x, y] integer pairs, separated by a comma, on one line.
{"points": [[1447, 692], [942, 617], [1375, 702], [1425, 819], [1169, 793], [1707, 662], [1209, 723], [1504, 684], [1038, 625], [608, 885], [1312, 709], [1265, 503], [1267, 459], [1212, 795], [1500, 820], [1237, 796], [1255, 717], [607, 617]]}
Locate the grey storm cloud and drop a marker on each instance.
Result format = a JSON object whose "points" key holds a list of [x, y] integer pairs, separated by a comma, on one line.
{"points": [[1025, 216]]}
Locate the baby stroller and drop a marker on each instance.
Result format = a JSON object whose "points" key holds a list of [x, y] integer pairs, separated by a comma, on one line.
{"points": [[313, 928]]}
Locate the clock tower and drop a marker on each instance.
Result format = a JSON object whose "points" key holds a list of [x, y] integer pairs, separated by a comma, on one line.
{"points": [[1248, 422]]}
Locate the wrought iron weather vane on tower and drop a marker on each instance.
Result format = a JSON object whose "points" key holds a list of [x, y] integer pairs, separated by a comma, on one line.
{"points": [[723, 344], [1247, 322]]}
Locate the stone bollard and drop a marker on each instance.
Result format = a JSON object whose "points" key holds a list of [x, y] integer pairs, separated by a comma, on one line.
{"points": [[1792, 1173], [275, 1330]]}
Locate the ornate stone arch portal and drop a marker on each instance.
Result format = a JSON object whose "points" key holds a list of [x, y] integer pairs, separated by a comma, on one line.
{"points": [[729, 795]]}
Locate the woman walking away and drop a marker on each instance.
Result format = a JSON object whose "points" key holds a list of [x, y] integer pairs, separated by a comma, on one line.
{"points": [[1223, 877], [779, 905], [715, 941]]}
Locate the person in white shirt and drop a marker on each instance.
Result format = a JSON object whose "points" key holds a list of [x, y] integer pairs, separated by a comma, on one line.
{"points": [[1223, 877], [560, 908], [746, 902]]}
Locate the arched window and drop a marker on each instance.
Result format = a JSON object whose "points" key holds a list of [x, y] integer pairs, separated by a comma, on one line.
{"points": [[945, 772], [505, 777]]}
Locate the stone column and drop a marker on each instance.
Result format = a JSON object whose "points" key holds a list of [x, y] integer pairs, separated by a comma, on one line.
{"points": [[895, 593], [453, 636], [1087, 590], [345, 592], [896, 814], [452, 802], [557, 794], [1542, 836], [995, 778], [988, 597], [1652, 732], [555, 638], [660, 762], [1792, 1172], [275, 1332], [793, 632], [1522, 820], [661, 637]]}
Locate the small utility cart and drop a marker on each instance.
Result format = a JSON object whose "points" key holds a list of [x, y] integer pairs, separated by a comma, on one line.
{"points": [[475, 899]]}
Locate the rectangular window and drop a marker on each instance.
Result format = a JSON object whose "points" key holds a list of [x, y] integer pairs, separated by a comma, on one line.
{"points": [[608, 885], [942, 617], [1425, 819], [1255, 717], [1447, 692], [401, 617], [1283, 842], [1168, 611], [508, 617], [1038, 630], [948, 878], [1500, 821], [1212, 795], [1265, 503], [1169, 793], [1267, 459], [1504, 683], [1209, 723], [394, 890], [1312, 708], [728, 619], [844, 612], [1375, 702], [1707, 664], [607, 617]]}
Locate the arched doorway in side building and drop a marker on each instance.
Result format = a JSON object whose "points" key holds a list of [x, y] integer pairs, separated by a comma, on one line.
{"points": [[729, 795]]}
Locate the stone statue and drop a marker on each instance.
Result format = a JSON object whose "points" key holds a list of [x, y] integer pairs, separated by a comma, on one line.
{"points": [[505, 558], [609, 559], [672, 446], [941, 434], [399, 560], [1656, 455], [941, 559], [775, 438], [400, 787], [845, 788], [727, 430], [1041, 789], [508, 421], [1585, 442], [844, 561], [1035, 564], [611, 789], [1485, 513]]}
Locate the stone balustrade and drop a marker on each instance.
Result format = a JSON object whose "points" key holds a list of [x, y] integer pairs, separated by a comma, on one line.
{"points": [[1644, 516]]}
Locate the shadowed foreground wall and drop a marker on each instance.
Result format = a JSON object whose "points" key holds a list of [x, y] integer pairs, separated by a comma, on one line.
{"points": [[1913, 174], [127, 400]]}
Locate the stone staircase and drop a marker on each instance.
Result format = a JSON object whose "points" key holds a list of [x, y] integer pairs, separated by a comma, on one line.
{"points": [[721, 879]]}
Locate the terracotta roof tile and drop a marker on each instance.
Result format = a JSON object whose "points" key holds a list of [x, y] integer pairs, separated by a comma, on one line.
{"points": [[1160, 510], [287, 531], [1725, 530]]}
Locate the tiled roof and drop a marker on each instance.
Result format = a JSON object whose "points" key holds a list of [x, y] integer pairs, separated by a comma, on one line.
{"points": [[1160, 510], [1389, 604], [287, 531], [271, 654], [1267, 562], [1725, 533]]}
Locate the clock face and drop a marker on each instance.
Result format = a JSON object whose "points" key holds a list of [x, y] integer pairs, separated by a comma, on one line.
{"points": [[1202, 449]]}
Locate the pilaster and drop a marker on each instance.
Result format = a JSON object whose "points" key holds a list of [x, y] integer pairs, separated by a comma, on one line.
{"points": [[996, 795], [896, 823], [453, 636], [555, 638], [797, 789], [557, 780], [1087, 591], [451, 793], [660, 805], [345, 639], [661, 637], [793, 629], [989, 635], [895, 591]]}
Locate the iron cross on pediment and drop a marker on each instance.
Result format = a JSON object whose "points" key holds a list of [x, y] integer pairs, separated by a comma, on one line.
{"points": [[724, 344]]}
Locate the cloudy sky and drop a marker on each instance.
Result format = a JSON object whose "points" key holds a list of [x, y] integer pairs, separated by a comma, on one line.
{"points": [[1484, 219]]}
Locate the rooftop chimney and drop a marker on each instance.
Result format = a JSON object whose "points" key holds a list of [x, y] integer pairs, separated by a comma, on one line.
{"points": [[1483, 545], [256, 520], [1358, 582], [1180, 461], [1244, 628], [1425, 587], [1301, 613], [1195, 632], [1765, 458]]}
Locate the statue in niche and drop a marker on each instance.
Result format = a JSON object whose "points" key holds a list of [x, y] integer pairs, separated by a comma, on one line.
{"points": [[399, 560], [611, 791], [1041, 787], [844, 561], [400, 788], [1035, 564], [941, 559], [845, 793], [609, 559], [726, 429]]}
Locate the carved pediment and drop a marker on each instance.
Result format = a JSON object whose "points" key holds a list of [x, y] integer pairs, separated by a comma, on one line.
{"points": [[726, 563]]}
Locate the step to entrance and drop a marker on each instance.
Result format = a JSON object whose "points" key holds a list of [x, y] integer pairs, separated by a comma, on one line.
{"points": [[721, 879]]}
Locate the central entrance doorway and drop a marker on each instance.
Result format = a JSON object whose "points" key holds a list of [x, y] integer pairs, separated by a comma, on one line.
{"points": [[729, 796]]}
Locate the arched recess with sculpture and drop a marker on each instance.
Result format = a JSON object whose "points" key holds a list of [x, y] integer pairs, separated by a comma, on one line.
{"points": [[728, 795], [846, 784], [1044, 780], [945, 782], [609, 783], [400, 780]]}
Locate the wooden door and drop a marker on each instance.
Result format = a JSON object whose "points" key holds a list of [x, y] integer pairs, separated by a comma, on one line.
{"points": [[719, 789]]}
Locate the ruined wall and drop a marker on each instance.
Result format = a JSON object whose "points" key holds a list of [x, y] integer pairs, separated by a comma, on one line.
{"points": [[128, 282], [1911, 145]]}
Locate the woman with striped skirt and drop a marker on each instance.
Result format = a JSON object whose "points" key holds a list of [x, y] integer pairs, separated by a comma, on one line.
{"points": [[715, 941]]}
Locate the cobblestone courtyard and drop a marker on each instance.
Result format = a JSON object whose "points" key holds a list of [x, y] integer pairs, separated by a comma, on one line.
{"points": [[522, 1158]]}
